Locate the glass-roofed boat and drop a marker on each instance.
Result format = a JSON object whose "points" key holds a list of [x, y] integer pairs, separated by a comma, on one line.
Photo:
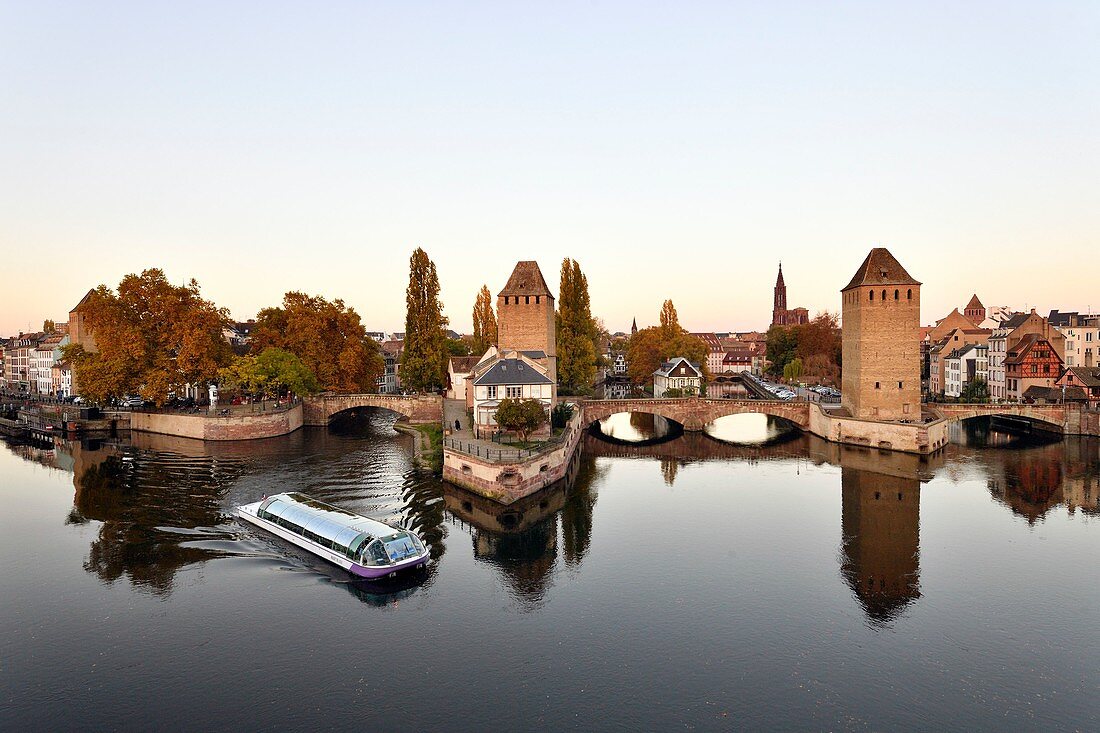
{"points": [[361, 545]]}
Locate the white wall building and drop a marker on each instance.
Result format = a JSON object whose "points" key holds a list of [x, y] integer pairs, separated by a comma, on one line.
{"points": [[510, 376], [677, 373]]}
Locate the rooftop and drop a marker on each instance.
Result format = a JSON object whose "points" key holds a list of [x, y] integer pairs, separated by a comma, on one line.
{"points": [[880, 268], [512, 371], [526, 279]]}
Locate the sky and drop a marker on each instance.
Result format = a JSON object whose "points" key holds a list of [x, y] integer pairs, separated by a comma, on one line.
{"points": [[676, 150]]}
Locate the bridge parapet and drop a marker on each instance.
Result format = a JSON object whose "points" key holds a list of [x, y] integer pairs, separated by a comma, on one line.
{"points": [[1067, 417], [694, 413], [419, 409]]}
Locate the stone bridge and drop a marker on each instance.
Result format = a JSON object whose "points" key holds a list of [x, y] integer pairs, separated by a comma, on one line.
{"points": [[319, 409], [1071, 419], [694, 413]]}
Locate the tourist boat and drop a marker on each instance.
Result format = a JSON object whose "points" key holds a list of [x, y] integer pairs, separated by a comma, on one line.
{"points": [[363, 546]]}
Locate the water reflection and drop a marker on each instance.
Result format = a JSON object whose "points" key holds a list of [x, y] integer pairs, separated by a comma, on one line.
{"points": [[752, 429], [166, 503], [521, 540], [880, 526]]}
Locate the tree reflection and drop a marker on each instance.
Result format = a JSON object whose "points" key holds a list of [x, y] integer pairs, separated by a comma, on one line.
{"points": [[138, 497]]}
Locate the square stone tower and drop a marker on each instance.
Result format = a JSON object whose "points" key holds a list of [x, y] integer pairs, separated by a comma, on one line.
{"points": [[880, 333], [525, 316]]}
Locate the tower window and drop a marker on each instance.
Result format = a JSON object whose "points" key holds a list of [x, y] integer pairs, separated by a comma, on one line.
{"points": [[884, 295], [877, 386], [871, 295], [505, 300], [527, 300], [900, 385], [895, 295], [537, 299], [909, 294]]}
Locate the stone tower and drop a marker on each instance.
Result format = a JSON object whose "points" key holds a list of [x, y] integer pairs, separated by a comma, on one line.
{"points": [[975, 311], [779, 300], [525, 315], [881, 341]]}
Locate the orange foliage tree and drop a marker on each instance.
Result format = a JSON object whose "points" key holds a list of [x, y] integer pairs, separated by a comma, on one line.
{"points": [[328, 337], [151, 338]]}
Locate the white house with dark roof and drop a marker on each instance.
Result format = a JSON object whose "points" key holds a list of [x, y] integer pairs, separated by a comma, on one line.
{"points": [[678, 373], [509, 375]]}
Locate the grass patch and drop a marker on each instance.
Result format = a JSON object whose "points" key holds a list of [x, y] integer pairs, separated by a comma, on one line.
{"points": [[433, 455]]}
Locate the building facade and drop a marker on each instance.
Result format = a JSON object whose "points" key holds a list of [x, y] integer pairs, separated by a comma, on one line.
{"points": [[1031, 362], [513, 376], [678, 373]]}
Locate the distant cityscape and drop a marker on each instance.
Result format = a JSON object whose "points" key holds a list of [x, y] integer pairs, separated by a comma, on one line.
{"points": [[994, 352]]}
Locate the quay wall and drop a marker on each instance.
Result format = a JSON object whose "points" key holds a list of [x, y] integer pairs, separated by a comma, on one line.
{"points": [[217, 427], [905, 437], [508, 481]]}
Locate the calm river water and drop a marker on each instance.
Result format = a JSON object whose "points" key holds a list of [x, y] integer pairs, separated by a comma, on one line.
{"points": [[691, 584]]}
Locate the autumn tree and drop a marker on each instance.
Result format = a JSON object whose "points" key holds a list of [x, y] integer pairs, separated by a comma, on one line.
{"points": [[577, 331], [48, 326], [816, 344], [651, 347], [424, 359], [521, 416], [152, 338], [327, 337], [485, 322]]}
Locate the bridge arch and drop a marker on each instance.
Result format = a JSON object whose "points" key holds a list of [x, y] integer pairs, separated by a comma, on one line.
{"points": [[320, 409], [1053, 418]]}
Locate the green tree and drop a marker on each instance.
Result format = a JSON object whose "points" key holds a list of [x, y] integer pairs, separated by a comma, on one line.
{"points": [[285, 372], [782, 347], [328, 337], [577, 330], [793, 371], [48, 326], [976, 390], [424, 357], [485, 322], [152, 338], [521, 416]]}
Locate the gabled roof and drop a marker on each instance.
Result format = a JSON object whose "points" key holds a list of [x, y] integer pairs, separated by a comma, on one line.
{"points": [[512, 371], [1084, 376], [83, 301], [880, 268], [526, 279], [463, 364], [666, 369], [974, 303], [1020, 351]]}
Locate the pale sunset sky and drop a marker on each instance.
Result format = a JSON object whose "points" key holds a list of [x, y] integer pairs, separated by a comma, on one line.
{"points": [[676, 150]]}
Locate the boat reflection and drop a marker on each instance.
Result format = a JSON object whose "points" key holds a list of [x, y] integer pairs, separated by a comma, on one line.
{"points": [[521, 540]]}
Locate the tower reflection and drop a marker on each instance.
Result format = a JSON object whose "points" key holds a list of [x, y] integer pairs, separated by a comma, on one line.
{"points": [[880, 526]]}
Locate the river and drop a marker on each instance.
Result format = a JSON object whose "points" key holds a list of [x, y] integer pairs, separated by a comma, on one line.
{"points": [[678, 582]]}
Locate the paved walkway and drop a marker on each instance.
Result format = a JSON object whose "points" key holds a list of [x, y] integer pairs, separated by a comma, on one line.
{"points": [[463, 439]]}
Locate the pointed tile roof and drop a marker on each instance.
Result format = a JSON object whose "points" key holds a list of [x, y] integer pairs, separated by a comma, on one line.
{"points": [[526, 279], [974, 303], [880, 268], [779, 280], [83, 300]]}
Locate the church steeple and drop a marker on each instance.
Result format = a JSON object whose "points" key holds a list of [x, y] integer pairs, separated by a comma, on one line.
{"points": [[779, 301], [634, 327]]}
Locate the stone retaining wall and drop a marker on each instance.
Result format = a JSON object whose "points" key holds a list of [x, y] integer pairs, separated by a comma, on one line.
{"points": [[508, 481], [213, 427]]}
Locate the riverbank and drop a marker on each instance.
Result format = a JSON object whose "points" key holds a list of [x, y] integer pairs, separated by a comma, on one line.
{"points": [[428, 441]]}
